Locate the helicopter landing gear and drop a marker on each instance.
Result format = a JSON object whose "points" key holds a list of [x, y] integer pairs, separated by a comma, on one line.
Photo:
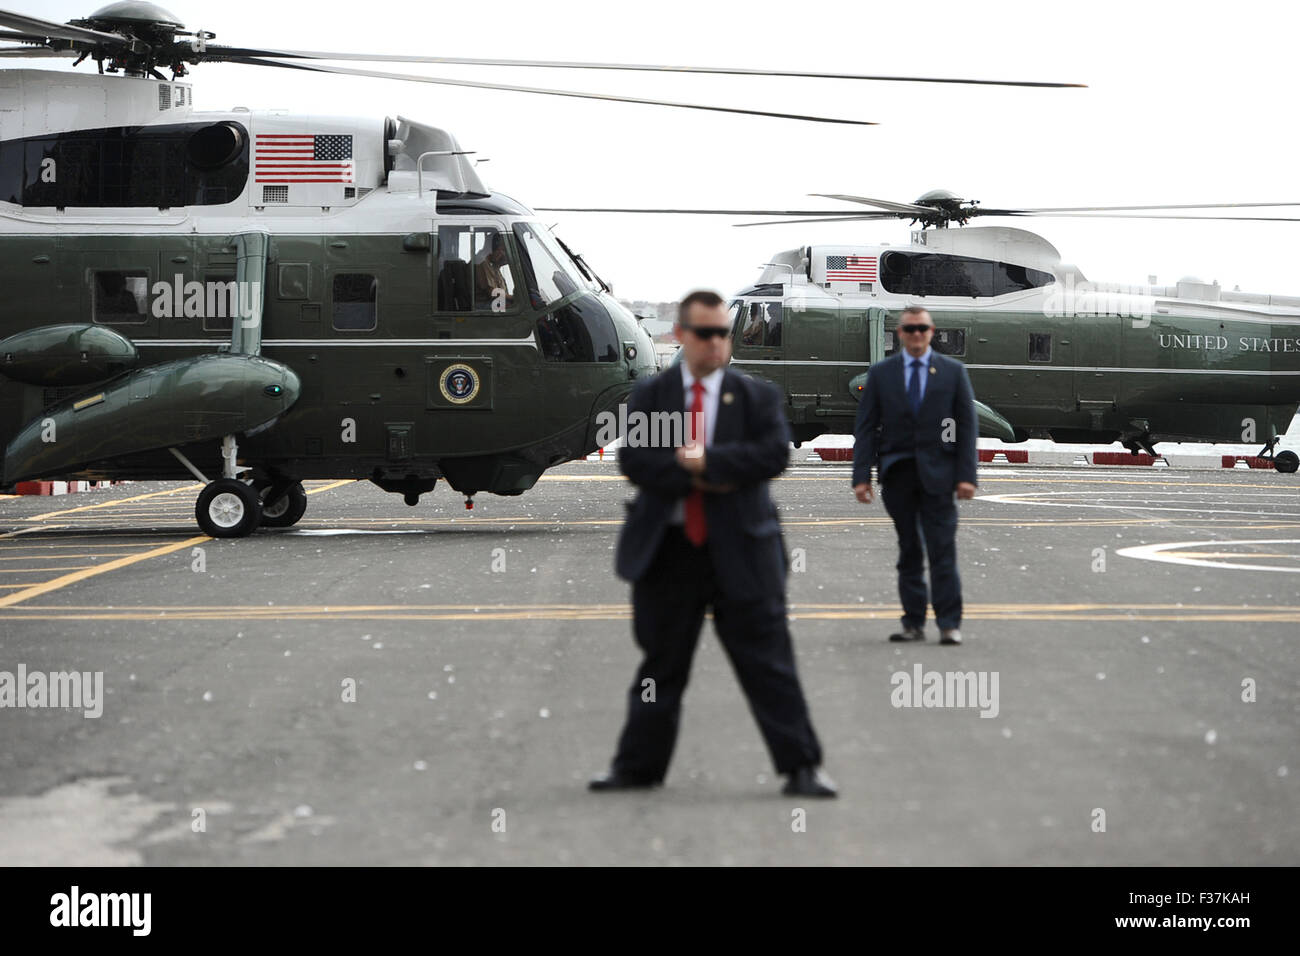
{"points": [[283, 503], [1285, 462], [1140, 443], [228, 508]]}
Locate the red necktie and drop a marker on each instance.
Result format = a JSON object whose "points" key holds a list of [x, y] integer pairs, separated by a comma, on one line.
{"points": [[697, 529]]}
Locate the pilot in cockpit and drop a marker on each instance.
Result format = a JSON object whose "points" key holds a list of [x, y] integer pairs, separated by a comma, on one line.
{"points": [[490, 283]]}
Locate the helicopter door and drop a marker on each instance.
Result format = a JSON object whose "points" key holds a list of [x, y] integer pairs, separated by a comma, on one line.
{"points": [[812, 363], [757, 338], [1092, 347], [858, 329]]}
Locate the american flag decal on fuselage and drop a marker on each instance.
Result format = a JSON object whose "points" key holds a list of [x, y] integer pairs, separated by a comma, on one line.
{"points": [[303, 158], [850, 268]]}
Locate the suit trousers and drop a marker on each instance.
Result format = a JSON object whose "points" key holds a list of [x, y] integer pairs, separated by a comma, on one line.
{"points": [[919, 515], [669, 603]]}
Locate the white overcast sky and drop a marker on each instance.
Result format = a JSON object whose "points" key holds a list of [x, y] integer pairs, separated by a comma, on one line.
{"points": [[1187, 102]]}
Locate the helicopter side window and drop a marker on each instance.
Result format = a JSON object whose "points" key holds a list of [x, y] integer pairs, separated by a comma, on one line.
{"points": [[119, 298], [1040, 346], [737, 312], [475, 273], [762, 325], [949, 341], [356, 302]]}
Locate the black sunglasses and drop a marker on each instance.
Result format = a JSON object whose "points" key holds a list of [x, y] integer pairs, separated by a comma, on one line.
{"points": [[914, 329], [708, 331]]}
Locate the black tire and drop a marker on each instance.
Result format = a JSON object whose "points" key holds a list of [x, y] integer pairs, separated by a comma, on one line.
{"points": [[286, 505], [1286, 462], [228, 508]]}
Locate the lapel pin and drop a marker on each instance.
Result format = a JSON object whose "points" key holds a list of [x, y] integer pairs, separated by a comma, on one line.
{"points": [[728, 398], [931, 369]]}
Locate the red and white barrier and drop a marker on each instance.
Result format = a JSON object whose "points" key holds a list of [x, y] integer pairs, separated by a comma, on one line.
{"points": [[58, 487]]}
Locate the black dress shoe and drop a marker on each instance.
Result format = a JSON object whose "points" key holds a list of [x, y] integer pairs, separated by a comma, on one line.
{"points": [[610, 780], [809, 782], [909, 634]]}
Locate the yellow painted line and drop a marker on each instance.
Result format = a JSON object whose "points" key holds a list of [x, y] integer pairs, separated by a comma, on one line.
{"points": [[1011, 479], [335, 484], [114, 503], [81, 575], [41, 543], [80, 554], [66, 567], [23, 614], [622, 612]]}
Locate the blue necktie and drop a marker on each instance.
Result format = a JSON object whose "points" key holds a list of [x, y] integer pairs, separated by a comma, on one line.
{"points": [[914, 386]]}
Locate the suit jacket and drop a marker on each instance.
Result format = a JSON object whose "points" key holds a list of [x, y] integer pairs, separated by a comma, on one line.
{"points": [[887, 431], [749, 446]]}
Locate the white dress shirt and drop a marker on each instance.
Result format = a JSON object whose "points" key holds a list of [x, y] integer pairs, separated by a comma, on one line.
{"points": [[712, 392], [924, 370]]}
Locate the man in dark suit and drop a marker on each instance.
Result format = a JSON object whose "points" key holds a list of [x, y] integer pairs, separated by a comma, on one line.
{"points": [[917, 422], [703, 532]]}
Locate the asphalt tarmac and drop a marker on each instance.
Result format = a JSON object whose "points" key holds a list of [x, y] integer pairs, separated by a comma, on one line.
{"points": [[430, 685]]}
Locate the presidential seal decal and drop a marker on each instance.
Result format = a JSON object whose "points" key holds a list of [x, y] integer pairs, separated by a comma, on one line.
{"points": [[459, 384]]}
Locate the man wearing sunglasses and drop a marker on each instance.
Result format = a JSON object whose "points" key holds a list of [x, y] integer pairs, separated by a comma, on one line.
{"points": [[703, 533], [917, 423]]}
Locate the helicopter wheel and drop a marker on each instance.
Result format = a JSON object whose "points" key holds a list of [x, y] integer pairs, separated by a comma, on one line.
{"points": [[228, 508], [1286, 462], [283, 506]]}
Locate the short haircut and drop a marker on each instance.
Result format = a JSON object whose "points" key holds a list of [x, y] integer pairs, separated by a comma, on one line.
{"points": [[916, 310], [704, 297]]}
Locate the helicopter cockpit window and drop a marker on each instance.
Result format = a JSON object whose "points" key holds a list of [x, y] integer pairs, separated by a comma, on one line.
{"points": [[356, 301], [547, 271], [762, 325], [578, 331], [120, 297], [475, 273]]}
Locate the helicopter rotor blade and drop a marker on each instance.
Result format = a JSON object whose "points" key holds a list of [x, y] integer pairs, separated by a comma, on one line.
{"points": [[475, 84], [693, 212], [1138, 215], [639, 67], [858, 217], [899, 207], [45, 29], [1199, 205]]}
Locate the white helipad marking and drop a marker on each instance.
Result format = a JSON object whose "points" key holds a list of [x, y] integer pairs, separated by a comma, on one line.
{"points": [[1155, 552], [1029, 498], [330, 532]]}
